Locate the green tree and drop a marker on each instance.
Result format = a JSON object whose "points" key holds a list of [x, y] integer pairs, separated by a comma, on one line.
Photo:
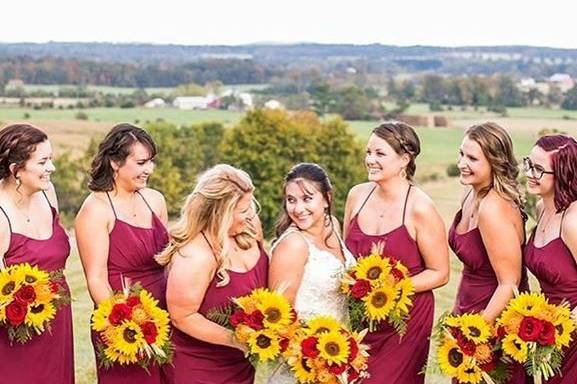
{"points": [[570, 101]]}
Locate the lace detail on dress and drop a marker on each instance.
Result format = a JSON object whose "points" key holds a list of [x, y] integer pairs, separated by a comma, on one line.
{"points": [[319, 292]]}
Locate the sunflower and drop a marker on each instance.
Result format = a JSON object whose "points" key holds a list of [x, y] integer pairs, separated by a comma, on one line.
{"points": [[118, 357], [379, 302], [469, 372], [275, 308], [483, 353], [44, 293], [333, 347], [129, 338], [264, 344], [322, 324], [100, 315], [247, 303], [139, 315], [528, 304], [9, 284], [516, 348], [30, 275], [563, 330], [475, 328], [39, 314], [372, 268], [2, 314], [511, 320], [303, 371], [148, 302], [452, 321], [405, 291], [450, 357]]}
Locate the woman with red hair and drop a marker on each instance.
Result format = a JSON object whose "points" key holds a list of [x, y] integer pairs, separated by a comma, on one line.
{"points": [[551, 252]]}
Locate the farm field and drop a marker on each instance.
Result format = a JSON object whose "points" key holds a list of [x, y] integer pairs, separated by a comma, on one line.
{"points": [[439, 149]]}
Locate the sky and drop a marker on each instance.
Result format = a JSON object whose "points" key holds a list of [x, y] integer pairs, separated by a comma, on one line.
{"points": [[208, 22]]}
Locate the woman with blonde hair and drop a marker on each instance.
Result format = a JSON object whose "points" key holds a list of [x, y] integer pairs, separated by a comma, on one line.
{"points": [[215, 254], [488, 233]]}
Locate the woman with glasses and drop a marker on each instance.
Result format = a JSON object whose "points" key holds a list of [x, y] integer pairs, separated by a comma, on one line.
{"points": [[215, 254], [551, 252], [488, 234]]}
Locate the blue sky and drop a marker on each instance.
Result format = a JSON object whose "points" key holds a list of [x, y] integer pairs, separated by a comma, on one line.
{"points": [[403, 22]]}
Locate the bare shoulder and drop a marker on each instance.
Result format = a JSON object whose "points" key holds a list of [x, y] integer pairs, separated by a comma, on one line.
{"points": [[196, 253], [153, 197], [359, 191], [570, 219], [291, 244], [51, 194], [421, 204], [495, 206], [336, 224], [95, 207]]}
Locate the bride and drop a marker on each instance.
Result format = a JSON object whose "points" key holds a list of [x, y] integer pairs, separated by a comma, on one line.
{"points": [[309, 258]]}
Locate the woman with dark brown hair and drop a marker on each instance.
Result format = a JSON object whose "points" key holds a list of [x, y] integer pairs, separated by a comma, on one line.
{"points": [[30, 232], [488, 233], [390, 209], [120, 227], [551, 252]]}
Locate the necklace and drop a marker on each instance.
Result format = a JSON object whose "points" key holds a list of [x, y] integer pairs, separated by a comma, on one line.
{"points": [[546, 223]]}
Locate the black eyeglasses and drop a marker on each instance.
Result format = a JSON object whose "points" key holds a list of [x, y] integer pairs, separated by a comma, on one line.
{"points": [[536, 171]]}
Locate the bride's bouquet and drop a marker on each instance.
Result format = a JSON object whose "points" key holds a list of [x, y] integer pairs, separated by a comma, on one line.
{"points": [[29, 300], [379, 289]]}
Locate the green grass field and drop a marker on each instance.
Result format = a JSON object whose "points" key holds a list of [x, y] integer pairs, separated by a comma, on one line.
{"points": [[439, 148]]}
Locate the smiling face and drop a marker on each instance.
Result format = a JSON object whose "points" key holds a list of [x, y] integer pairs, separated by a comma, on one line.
{"points": [[137, 168], [381, 160], [474, 167], [305, 204], [35, 175], [243, 214], [540, 161]]}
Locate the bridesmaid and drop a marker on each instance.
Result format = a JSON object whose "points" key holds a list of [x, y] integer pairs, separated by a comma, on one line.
{"points": [[119, 229], [391, 209], [551, 252], [215, 254], [488, 233], [30, 232]]}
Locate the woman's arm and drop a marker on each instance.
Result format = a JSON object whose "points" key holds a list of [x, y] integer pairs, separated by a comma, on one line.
{"points": [[91, 227], [188, 280], [503, 244], [287, 265], [431, 239]]}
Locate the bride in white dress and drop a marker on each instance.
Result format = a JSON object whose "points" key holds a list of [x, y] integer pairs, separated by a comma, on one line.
{"points": [[309, 258]]}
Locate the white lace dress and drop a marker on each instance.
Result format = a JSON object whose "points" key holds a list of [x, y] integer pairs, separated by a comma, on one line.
{"points": [[319, 292]]}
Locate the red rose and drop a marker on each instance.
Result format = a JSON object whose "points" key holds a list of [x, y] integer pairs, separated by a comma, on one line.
{"points": [[393, 261], [254, 320], [530, 328], [547, 336], [54, 287], [360, 289], [283, 343], [16, 312], [309, 347], [119, 313], [352, 375], [149, 331], [336, 369], [133, 301], [397, 274], [25, 295], [501, 332], [468, 347], [238, 317], [354, 349]]}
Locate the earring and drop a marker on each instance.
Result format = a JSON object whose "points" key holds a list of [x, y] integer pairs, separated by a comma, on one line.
{"points": [[18, 182], [403, 173], [327, 218]]}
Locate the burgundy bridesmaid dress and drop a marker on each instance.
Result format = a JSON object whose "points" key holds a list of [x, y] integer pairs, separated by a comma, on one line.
{"points": [[555, 268], [478, 279], [47, 358], [199, 362], [131, 258], [396, 360]]}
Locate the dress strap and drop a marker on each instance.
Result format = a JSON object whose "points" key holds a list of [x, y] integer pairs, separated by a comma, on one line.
{"points": [[112, 205], [285, 234], [209, 245], [466, 197], [52, 212], [366, 199], [8, 219], [145, 202], [406, 201], [561, 225]]}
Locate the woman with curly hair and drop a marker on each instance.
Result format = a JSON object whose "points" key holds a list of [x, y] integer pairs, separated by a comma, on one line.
{"points": [[488, 232], [551, 252]]}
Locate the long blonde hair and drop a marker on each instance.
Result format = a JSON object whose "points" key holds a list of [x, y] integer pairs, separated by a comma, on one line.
{"points": [[497, 147], [210, 209]]}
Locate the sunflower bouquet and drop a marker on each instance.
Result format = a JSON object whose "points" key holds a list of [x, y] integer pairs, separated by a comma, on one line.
{"points": [[533, 332], [29, 300], [263, 320], [379, 288], [467, 350], [323, 351], [131, 328]]}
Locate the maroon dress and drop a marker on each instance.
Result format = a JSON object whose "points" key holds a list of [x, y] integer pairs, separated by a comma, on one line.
{"points": [[478, 279], [199, 362], [555, 268], [131, 254], [396, 360], [49, 357]]}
